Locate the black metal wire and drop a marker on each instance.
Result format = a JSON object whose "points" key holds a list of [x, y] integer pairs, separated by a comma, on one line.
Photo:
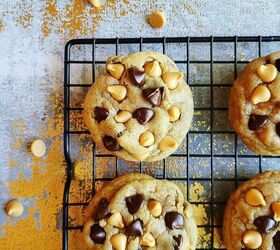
{"points": [[212, 155]]}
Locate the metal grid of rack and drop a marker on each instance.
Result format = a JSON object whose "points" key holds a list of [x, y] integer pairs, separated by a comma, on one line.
{"points": [[212, 155]]}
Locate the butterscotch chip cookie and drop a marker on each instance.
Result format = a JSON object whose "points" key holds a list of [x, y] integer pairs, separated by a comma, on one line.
{"points": [[141, 109], [252, 214], [254, 105], [144, 214]]}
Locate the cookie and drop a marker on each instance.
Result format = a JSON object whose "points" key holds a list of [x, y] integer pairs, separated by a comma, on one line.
{"points": [[143, 214], [254, 105], [141, 109], [252, 214], [109, 190]]}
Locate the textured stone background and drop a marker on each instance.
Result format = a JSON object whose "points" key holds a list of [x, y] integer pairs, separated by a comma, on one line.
{"points": [[32, 39]]}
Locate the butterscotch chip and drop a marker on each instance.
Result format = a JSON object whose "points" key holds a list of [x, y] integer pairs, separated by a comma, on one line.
{"points": [[167, 143], [95, 3], [260, 94], [276, 210], [118, 241], [267, 73], [115, 69], [155, 208], [123, 116], [157, 19], [116, 220], [153, 69], [146, 139], [38, 148], [252, 239], [148, 240], [174, 113], [118, 92], [254, 198], [14, 208]]}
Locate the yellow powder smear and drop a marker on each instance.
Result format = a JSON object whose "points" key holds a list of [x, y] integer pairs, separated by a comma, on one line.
{"points": [[39, 229], [24, 20]]}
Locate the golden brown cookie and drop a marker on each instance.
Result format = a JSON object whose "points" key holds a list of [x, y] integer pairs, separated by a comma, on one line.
{"points": [[141, 109], [254, 105], [252, 214], [143, 214]]}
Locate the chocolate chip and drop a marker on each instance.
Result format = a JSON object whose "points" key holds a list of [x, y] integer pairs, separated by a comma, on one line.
{"points": [[134, 202], [178, 241], [264, 224], [137, 76], [174, 220], [143, 115], [100, 114], [276, 241], [101, 210], [135, 228], [119, 134], [277, 64], [111, 143], [256, 121], [153, 95], [278, 129], [97, 234]]}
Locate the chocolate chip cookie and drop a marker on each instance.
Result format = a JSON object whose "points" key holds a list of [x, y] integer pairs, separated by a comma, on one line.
{"points": [[143, 214], [254, 105], [252, 214], [141, 109]]}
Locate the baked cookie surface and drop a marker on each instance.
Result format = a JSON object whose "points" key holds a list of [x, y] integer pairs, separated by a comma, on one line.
{"points": [[143, 214], [252, 214], [141, 109], [254, 105]]}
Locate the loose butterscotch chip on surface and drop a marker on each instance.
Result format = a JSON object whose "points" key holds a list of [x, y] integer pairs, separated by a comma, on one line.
{"points": [[157, 19], [38, 148], [14, 208]]}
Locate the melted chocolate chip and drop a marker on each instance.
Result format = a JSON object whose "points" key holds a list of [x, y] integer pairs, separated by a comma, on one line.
{"points": [[264, 224], [276, 241], [174, 220], [101, 210], [100, 114], [153, 95], [111, 143], [256, 121], [277, 64], [97, 234], [134, 202], [178, 241], [135, 228], [119, 134], [278, 129], [137, 76], [143, 115]]}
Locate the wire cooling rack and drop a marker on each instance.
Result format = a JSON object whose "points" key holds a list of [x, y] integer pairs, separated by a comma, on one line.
{"points": [[212, 154]]}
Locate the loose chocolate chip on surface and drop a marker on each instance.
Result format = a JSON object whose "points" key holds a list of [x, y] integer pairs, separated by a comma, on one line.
{"points": [[174, 220], [278, 129], [256, 121], [178, 241], [111, 143], [100, 114], [143, 115], [276, 241], [97, 234], [264, 224], [134, 202], [137, 76], [277, 64], [101, 210], [135, 228], [153, 95]]}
